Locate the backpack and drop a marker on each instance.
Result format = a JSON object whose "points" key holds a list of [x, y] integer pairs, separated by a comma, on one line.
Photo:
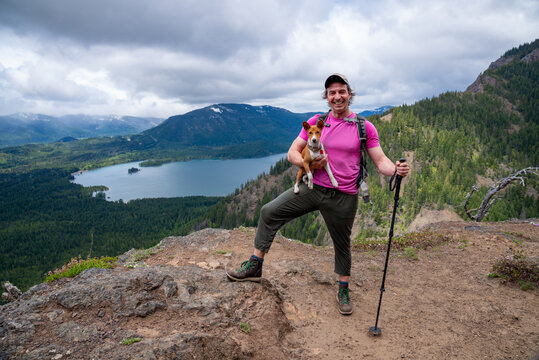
{"points": [[361, 181]]}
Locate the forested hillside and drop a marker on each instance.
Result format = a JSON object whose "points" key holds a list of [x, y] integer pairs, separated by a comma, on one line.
{"points": [[451, 140], [45, 220]]}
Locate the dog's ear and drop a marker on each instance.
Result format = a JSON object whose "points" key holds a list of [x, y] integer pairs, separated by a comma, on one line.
{"points": [[320, 124], [306, 126]]}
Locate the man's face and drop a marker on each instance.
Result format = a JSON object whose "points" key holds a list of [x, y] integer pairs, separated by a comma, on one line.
{"points": [[338, 97]]}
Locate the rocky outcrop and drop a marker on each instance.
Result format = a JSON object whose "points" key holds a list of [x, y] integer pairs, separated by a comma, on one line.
{"points": [[504, 60], [173, 301], [484, 79], [12, 292], [531, 57], [185, 312], [479, 84]]}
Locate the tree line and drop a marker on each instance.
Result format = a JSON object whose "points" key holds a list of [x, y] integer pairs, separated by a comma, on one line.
{"points": [[45, 220]]}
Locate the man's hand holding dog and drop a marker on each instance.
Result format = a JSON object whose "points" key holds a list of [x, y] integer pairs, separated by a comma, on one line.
{"points": [[319, 162]]}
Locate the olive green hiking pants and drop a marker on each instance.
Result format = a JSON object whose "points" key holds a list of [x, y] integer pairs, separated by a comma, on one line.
{"points": [[337, 208]]}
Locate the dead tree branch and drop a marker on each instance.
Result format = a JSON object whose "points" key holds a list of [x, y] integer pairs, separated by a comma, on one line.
{"points": [[491, 197]]}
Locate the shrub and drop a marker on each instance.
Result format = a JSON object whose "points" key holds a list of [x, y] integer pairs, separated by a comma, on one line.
{"points": [[517, 268], [78, 265]]}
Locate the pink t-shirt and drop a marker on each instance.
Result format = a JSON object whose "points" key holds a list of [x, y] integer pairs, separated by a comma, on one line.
{"points": [[341, 142]]}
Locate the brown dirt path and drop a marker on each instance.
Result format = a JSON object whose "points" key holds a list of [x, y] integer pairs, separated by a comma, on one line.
{"points": [[441, 306]]}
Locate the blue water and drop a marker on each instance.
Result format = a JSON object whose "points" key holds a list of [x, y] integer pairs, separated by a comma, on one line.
{"points": [[197, 177]]}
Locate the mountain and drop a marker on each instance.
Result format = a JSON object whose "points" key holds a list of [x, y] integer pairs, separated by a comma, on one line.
{"points": [[242, 129], [216, 131], [220, 130], [228, 124], [23, 128], [377, 111]]}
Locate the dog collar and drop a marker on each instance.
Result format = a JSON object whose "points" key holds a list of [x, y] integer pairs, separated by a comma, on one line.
{"points": [[312, 148]]}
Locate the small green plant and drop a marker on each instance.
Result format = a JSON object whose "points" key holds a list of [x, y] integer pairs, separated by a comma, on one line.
{"points": [[517, 268], [143, 254], [219, 252], [411, 253], [131, 340], [78, 265], [525, 285], [244, 229], [246, 328], [371, 253]]}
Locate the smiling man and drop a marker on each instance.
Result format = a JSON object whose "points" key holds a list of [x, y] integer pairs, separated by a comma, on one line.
{"points": [[338, 206]]}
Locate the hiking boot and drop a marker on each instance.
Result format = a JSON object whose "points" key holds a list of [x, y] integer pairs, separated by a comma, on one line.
{"points": [[250, 270], [343, 299]]}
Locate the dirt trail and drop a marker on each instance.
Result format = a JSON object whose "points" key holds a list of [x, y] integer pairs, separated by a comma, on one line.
{"points": [[441, 306]]}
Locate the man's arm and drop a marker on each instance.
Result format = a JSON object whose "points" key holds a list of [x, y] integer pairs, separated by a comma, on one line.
{"points": [[294, 153], [384, 165]]}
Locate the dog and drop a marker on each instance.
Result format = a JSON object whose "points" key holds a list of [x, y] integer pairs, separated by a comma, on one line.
{"points": [[313, 149]]}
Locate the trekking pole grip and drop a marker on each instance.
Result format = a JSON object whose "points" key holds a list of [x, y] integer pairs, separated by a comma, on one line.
{"points": [[397, 178], [401, 160]]}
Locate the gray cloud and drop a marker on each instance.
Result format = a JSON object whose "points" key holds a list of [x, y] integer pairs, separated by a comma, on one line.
{"points": [[210, 28], [164, 58]]}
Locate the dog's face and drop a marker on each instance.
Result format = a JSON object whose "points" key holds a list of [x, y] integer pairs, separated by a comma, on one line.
{"points": [[314, 132]]}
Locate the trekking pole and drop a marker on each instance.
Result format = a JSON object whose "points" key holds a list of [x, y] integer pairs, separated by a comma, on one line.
{"points": [[375, 330]]}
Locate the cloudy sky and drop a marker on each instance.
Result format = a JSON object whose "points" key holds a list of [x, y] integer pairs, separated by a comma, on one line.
{"points": [[161, 58]]}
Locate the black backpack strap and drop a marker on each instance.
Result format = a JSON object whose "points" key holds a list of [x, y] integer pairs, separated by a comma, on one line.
{"points": [[323, 117], [362, 131]]}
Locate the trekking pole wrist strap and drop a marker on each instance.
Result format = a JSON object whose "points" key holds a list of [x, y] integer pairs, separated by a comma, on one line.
{"points": [[391, 185]]}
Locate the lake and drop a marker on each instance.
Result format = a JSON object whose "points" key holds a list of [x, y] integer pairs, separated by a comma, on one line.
{"points": [[196, 177]]}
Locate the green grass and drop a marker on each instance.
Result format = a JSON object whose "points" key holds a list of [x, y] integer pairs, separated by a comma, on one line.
{"points": [[525, 285], [219, 252], [78, 265], [517, 238], [131, 340], [246, 328], [143, 254], [417, 240], [411, 253]]}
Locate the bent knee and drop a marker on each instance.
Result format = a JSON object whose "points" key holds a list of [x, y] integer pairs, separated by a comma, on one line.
{"points": [[266, 212]]}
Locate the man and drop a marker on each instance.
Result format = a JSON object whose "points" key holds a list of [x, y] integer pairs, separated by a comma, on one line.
{"points": [[337, 206]]}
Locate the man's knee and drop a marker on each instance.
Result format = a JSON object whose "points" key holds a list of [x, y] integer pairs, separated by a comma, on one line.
{"points": [[266, 212]]}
